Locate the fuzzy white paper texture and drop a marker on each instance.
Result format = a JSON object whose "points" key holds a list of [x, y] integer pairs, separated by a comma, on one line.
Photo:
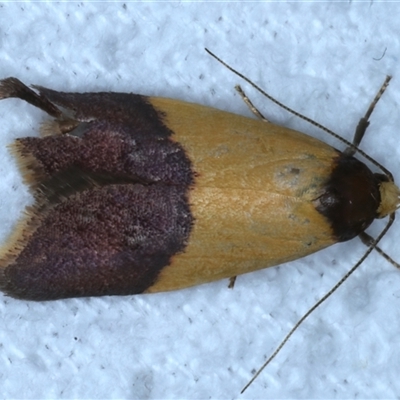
{"points": [[326, 60]]}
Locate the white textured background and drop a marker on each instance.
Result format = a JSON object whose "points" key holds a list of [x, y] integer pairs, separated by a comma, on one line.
{"points": [[326, 60]]}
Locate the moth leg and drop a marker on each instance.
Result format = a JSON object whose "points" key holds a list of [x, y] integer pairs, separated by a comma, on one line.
{"points": [[364, 121], [232, 281], [368, 241], [13, 87], [249, 104]]}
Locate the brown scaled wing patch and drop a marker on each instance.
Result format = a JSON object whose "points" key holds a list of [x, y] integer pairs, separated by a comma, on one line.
{"points": [[111, 202]]}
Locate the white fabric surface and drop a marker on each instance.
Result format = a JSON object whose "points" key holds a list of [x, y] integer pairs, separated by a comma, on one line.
{"points": [[326, 60]]}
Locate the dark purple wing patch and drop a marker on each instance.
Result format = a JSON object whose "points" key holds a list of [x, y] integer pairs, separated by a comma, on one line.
{"points": [[112, 200]]}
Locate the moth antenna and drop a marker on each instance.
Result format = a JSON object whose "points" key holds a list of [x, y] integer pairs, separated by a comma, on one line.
{"points": [[351, 149], [303, 117], [371, 247]]}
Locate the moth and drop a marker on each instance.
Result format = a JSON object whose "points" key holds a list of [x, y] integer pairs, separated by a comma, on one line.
{"points": [[138, 194]]}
